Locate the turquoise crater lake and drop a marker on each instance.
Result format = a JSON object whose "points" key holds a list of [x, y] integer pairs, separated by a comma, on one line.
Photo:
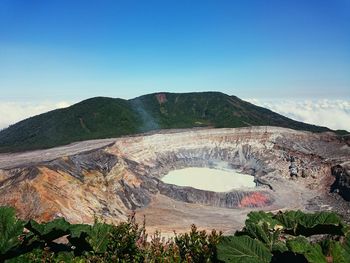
{"points": [[209, 179]]}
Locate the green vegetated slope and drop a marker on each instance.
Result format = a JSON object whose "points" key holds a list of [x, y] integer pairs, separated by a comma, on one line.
{"points": [[291, 236], [107, 117]]}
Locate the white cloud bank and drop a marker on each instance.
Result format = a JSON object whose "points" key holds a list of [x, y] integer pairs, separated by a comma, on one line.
{"points": [[332, 113], [12, 112]]}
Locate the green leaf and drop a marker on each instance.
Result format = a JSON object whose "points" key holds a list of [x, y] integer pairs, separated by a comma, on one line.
{"points": [[10, 229], [312, 252], [298, 245], [243, 249], [99, 237], [260, 217], [305, 224], [320, 218], [261, 226], [290, 219], [256, 231], [338, 253], [346, 247], [65, 257], [79, 230], [78, 237], [51, 230], [279, 247]]}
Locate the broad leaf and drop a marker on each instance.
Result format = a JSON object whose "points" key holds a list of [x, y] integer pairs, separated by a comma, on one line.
{"points": [[338, 253], [279, 246], [51, 230], [243, 249], [312, 252], [257, 231], [262, 217], [320, 218], [346, 246], [10, 229], [290, 219], [99, 237], [262, 226], [79, 230], [78, 238], [305, 224]]}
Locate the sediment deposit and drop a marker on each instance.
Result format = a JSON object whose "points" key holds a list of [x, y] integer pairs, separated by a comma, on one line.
{"points": [[110, 178]]}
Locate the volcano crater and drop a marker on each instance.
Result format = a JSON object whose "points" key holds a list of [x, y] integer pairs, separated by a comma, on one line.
{"points": [[112, 177]]}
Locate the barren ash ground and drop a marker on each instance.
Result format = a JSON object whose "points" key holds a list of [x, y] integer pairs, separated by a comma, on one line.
{"points": [[110, 178]]}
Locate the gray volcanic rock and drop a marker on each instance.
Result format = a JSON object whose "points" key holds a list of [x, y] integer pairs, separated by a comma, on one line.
{"points": [[231, 199], [88, 161], [110, 178], [342, 182]]}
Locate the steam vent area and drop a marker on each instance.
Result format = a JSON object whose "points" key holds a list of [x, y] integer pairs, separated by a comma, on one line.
{"points": [[209, 177]]}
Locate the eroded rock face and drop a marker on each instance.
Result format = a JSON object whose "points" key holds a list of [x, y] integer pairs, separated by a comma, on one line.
{"points": [[109, 178], [342, 182], [232, 199]]}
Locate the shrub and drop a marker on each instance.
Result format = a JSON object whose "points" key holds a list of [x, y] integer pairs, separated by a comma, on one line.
{"points": [[291, 236], [198, 246]]}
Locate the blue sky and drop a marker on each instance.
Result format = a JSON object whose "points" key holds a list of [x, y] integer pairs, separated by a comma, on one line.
{"points": [[292, 56], [71, 50]]}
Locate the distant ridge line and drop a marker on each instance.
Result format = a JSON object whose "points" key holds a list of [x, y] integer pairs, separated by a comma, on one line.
{"points": [[103, 117]]}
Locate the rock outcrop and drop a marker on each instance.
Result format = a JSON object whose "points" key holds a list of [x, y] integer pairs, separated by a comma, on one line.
{"points": [[342, 182], [109, 178]]}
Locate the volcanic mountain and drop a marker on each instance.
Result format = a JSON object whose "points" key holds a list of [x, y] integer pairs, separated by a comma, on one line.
{"points": [[127, 147], [101, 117]]}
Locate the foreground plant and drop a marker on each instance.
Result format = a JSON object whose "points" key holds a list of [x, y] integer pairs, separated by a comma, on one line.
{"points": [[11, 230], [198, 246], [292, 236], [126, 242]]}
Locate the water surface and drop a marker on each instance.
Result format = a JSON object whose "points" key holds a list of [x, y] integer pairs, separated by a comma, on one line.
{"points": [[209, 179]]}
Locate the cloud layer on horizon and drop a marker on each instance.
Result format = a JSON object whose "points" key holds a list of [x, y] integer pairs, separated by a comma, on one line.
{"points": [[332, 113], [12, 112]]}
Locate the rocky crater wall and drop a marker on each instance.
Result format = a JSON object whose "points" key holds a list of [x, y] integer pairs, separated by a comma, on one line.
{"points": [[119, 175]]}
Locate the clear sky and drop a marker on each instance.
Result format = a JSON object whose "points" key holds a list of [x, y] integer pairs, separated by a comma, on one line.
{"points": [[70, 50]]}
